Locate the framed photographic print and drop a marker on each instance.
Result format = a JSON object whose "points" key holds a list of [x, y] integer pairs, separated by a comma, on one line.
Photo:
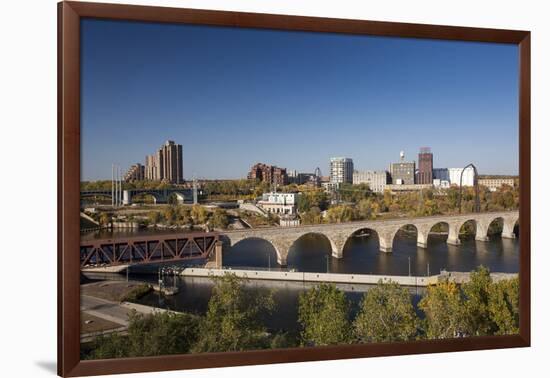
{"points": [[239, 188]]}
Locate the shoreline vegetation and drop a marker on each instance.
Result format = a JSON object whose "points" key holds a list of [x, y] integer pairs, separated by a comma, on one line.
{"points": [[233, 320], [315, 206]]}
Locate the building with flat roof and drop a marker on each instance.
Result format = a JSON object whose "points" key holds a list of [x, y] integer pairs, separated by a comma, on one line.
{"points": [[495, 183], [452, 176], [166, 164], [403, 172], [341, 170], [268, 173], [376, 180], [425, 166], [279, 203], [398, 188]]}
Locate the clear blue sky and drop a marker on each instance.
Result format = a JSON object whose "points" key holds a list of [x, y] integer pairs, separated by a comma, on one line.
{"points": [[233, 97]]}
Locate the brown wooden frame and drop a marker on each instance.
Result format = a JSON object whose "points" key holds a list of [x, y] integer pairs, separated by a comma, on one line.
{"points": [[69, 14]]}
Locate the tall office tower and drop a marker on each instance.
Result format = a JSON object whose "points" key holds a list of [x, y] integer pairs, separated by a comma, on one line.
{"points": [[402, 173], [171, 162], [425, 166], [341, 170]]}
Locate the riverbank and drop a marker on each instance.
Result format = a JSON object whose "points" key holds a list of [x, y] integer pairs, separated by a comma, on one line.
{"points": [[105, 306]]}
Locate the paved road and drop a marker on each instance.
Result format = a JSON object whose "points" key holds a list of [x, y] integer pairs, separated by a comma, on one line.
{"points": [[112, 311]]}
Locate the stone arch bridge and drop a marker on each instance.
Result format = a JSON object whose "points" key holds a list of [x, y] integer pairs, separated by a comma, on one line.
{"points": [[337, 234]]}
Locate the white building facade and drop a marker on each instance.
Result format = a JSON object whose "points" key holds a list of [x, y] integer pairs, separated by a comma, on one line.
{"points": [[444, 177], [341, 170], [376, 180], [279, 203]]}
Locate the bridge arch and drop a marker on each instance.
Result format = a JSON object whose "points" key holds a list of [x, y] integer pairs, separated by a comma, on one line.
{"points": [[128, 196], [274, 253], [444, 227], [314, 254], [405, 230], [495, 226], [480, 228], [384, 235]]}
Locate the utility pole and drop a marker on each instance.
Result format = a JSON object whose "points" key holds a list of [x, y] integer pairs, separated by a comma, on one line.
{"points": [[268, 261], [409, 266], [116, 185], [112, 185], [195, 195], [428, 269], [119, 186]]}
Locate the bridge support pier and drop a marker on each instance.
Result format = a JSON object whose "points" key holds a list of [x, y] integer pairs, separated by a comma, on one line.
{"points": [[126, 197], [453, 238], [386, 242], [337, 242], [508, 229], [453, 241], [422, 240], [218, 250], [507, 235], [481, 231]]}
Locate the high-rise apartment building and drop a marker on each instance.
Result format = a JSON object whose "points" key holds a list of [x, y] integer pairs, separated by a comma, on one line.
{"points": [[172, 165], [425, 166], [135, 173], [341, 170], [152, 170], [402, 173], [166, 165]]}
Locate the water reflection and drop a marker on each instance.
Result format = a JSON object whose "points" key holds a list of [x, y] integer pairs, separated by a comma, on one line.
{"points": [[194, 294], [362, 255]]}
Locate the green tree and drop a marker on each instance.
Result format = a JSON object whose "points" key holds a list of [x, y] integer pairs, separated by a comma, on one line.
{"points": [[340, 213], [386, 314], [476, 306], [184, 216], [162, 333], [156, 334], [108, 346], [312, 216], [443, 307], [323, 314], [154, 217], [219, 219], [199, 214], [504, 306], [233, 319], [104, 219], [170, 214]]}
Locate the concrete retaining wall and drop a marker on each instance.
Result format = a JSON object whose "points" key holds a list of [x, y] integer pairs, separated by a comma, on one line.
{"points": [[312, 277], [368, 279]]}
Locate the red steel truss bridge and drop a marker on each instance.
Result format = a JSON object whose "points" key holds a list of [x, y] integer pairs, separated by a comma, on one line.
{"points": [[147, 249]]}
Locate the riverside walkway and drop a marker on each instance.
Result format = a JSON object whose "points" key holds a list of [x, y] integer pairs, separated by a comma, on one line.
{"points": [[365, 279]]}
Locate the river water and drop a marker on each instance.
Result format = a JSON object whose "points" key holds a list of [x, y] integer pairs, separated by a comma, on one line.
{"points": [[311, 253]]}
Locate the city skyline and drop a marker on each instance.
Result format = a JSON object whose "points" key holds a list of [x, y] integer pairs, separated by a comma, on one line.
{"points": [[227, 99]]}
